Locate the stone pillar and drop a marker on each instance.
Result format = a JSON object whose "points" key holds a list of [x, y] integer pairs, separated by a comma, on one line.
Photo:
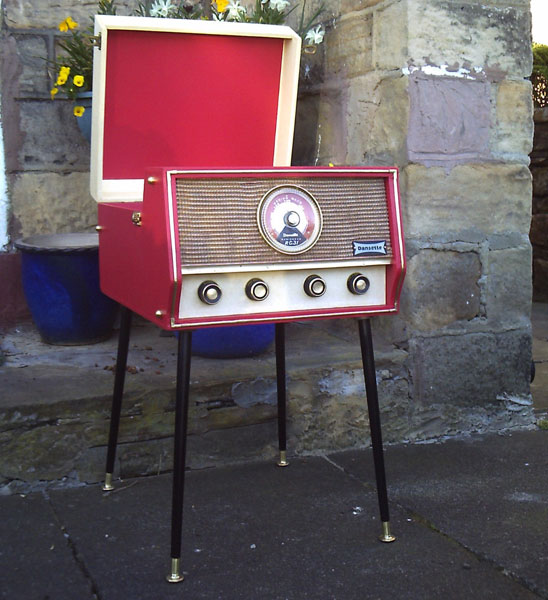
{"points": [[439, 88]]}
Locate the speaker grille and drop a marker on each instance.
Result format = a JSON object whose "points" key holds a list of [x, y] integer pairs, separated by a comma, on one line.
{"points": [[217, 219]]}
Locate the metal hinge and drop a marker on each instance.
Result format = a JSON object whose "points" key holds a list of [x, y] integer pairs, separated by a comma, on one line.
{"points": [[96, 41]]}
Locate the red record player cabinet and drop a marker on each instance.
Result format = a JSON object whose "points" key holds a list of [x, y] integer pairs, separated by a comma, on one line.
{"points": [[203, 222], [235, 246], [194, 247]]}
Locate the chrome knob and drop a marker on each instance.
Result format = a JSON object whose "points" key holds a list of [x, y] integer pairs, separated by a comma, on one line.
{"points": [[292, 218], [314, 286], [357, 283], [256, 289], [209, 292]]}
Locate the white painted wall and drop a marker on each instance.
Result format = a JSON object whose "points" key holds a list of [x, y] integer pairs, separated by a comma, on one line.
{"points": [[3, 183], [539, 10]]}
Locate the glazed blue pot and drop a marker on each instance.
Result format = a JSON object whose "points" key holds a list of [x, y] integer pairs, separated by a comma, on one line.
{"points": [[84, 122], [61, 283], [232, 342]]}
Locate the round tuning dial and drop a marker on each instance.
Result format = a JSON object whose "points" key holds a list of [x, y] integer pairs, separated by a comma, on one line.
{"points": [[209, 292], [314, 286], [289, 219], [357, 283], [256, 289]]}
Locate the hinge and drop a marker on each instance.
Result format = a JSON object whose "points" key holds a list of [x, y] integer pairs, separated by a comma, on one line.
{"points": [[95, 41]]}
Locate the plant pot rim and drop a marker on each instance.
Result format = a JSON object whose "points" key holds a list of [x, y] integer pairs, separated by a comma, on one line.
{"points": [[59, 242]]}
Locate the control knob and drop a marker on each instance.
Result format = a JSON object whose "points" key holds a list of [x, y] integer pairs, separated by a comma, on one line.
{"points": [[209, 292], [314, 286], [357, 283], [256, 289]]}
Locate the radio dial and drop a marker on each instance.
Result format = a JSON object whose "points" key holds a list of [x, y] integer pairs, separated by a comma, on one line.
{"points": [[357, 283], [209, 292], [256, 289], [314, 286]]}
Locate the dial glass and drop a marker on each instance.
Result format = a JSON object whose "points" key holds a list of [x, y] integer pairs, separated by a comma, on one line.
{"points": [[289, 219]]}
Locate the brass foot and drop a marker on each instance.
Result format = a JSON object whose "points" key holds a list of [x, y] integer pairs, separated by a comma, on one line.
{"points": [[175, 576], [107, 486], [283, 459], [386, 536]]}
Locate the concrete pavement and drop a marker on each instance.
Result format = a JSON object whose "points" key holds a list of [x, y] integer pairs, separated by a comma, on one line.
{"points": [[470, 515]]}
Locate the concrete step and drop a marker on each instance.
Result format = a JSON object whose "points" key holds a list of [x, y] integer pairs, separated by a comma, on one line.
{"points": [[55, 404]]}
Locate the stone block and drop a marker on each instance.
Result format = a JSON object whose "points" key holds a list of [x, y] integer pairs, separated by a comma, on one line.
{"points": [[335, 409], [387, 142], [539, 228], [448, 119], [348, 6], [486, 198], [441, 288], [13, 307], [540, 140], [471, 35], [471, 369], [540, 280], [508, 287], [42, 15], [51, 203], [331, 141], [349, 46], [390, 36], [363, 100], [540, 183], [305, 141], [513, 134], [31, 54], [51, 140]]}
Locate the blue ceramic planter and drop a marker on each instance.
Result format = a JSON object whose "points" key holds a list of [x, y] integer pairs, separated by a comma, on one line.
{"points": [[232, 342], [61, 283], [84, 122]]}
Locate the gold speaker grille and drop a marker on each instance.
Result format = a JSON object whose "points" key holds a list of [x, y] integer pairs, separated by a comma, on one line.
{"points": [[217, 219]]}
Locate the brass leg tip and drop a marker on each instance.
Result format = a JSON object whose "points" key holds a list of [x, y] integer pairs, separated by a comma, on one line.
{"points": [[107, 486], [175, 575], [386, 536], [283, 459]]}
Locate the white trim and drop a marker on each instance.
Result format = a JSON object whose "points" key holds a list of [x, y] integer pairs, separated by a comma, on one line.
{"points": [[104, 190], [195, 26]]}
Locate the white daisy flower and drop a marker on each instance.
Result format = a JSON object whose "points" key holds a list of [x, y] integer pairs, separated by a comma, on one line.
{"points": [[235, 11], [315, 35], [279, 5]]}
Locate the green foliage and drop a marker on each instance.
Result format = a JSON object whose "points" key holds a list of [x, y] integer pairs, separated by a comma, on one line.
{"points": [[539, 76]]}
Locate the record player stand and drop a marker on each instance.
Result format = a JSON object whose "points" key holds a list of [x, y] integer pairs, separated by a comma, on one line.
{"points": [[181, 423]]}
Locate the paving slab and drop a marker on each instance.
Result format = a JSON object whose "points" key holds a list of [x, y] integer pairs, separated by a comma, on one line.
{"points": [[487, 493], [37, 560]]}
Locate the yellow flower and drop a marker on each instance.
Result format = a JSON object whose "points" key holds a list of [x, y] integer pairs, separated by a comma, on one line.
{"points": [[221, 5], [79, 111], [52, 92], [78, 80], [63, 75], [67, 24]]}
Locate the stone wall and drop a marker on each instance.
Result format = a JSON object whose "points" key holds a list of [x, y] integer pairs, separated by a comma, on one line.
{"points": [[539, 222], [440, 89], [436, 87]]}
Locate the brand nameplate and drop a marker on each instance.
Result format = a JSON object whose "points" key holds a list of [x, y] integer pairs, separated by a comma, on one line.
{"points": [[377, 248]]}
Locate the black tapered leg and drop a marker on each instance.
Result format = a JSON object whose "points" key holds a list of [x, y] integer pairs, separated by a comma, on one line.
{"points": [[119, 379], [281, 390], [368, 360], [179, 452]]}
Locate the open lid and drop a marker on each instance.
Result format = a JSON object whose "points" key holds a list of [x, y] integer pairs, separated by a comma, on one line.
{"points": [[188, 92]]}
